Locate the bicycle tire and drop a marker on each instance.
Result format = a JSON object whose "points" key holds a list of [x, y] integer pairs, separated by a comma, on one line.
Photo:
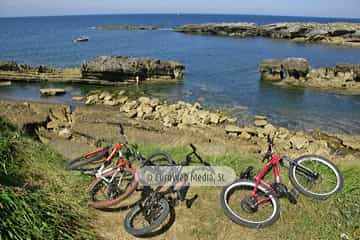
{"points": [[139, 232], [248, 223], [152, 161], [108, 203], [298, 186], [80, 162]]}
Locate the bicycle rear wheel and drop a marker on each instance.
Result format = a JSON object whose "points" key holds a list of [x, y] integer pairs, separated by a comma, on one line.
{"points": [[315, 177], [111, 189], [243, 209]]}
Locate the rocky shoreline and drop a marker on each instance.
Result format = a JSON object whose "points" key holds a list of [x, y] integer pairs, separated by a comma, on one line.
{"points": [[150, 121], [103, 70], [343, 78], [346, 34]]}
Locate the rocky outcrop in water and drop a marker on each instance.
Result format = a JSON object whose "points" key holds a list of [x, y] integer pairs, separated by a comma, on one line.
{"points": [[126, 27], [343, 78], [331, 33], [102, 70], [119, 68]]}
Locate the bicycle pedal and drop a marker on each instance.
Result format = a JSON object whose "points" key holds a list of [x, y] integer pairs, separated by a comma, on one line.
{"points": [[292, 196]]}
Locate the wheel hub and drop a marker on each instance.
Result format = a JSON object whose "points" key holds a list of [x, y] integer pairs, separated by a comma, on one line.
{"points": [[249, 204]]}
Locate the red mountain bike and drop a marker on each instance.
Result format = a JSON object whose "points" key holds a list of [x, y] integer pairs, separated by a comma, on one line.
{"points": [[252, 202]]}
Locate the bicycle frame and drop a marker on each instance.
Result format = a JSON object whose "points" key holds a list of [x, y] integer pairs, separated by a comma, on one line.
{"points": [[273, 163]]}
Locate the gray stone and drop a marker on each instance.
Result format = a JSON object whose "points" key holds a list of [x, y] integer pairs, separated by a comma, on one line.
{"points": [[51, 91], [65, 133], [298, 142], [260, 123]]}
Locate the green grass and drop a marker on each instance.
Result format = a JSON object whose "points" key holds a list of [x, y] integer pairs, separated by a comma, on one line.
{"points": [[308, 219], [38, 199]]}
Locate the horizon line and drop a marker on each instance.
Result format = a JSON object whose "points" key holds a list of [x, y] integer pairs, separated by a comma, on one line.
{"points": [[177, 13]]}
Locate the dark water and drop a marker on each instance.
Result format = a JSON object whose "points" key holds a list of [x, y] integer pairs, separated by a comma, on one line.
{"points": [[220, 71]]}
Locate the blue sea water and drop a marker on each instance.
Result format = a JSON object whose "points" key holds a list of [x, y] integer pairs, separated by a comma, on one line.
{"points": [[221, 71]]}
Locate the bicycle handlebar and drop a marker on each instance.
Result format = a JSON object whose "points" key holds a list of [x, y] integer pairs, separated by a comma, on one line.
{"points": [[268, 153], [189, 159]]}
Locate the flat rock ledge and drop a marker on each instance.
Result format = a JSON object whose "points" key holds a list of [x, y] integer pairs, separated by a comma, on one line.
{"points": [[119, 68], [343, 78], [104, 70], [347, 34]]}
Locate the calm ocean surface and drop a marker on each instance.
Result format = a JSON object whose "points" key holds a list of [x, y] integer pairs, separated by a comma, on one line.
{"points": [[221, 71]]}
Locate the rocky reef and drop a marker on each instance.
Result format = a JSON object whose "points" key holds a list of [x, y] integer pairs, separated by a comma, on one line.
{"points": [[102, 70], [343, 78], [331, 33], [119, 68], [126, 27], [149, 121]]}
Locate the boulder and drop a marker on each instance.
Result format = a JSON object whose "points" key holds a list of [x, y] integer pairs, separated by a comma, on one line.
{"points": [[65, 133], [120, 68], [5, 83], [298, 142], [132, 113], [296, 67], [260, 123], [154, 102], [92, 99], [245, 135], [271, 70], [105, 95], [144, 100], [78, 98], [233, 129], [8, 66], [259, 117], [214, 118], [110, 102], [122, 100], [51, 91], [129, 106], [352, 142]]}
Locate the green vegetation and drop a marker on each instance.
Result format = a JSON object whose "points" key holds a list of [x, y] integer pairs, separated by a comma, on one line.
{"points": [[308, 219], [38, 199]]}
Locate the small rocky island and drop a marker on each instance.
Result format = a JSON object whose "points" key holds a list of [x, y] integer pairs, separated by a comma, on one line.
{"points": [[102, 70], [126, 27], [343, 78], [124, 68], [331, 33]]}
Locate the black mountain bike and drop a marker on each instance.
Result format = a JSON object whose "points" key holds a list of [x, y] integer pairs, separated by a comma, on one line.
{"points": [[156, 205]]}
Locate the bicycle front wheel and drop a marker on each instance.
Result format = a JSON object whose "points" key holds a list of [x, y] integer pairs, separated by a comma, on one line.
{"points": [[315, 177], [141, 221]]}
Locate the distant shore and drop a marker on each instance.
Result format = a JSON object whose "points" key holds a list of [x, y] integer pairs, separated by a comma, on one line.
{"points": [[339, 33]]}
